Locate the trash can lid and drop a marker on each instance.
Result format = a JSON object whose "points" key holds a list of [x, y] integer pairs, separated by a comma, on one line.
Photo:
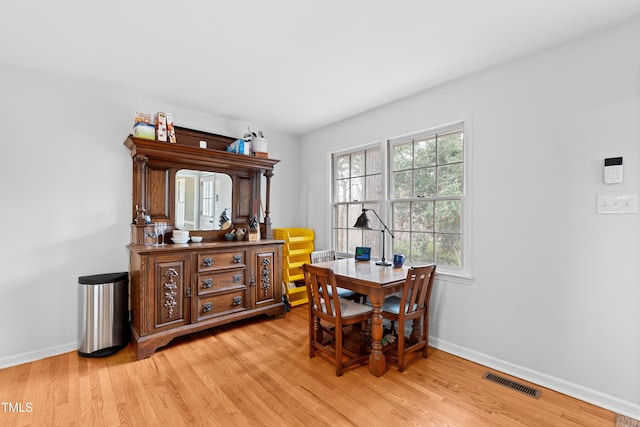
{"points": [[99, 279]]}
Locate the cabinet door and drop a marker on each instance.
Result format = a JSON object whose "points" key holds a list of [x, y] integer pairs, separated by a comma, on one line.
{"points": [[266, 279], [170, 290]]}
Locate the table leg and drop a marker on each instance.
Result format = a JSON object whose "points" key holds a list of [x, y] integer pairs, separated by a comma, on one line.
{"points": [[318, 330], [377, 365], [415, 332]]}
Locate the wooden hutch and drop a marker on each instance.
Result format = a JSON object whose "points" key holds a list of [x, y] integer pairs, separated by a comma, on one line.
{"points": [[177, 289]]}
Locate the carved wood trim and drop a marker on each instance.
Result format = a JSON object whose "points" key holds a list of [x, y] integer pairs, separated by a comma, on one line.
{"points": [[170, 291], [266, 276]]}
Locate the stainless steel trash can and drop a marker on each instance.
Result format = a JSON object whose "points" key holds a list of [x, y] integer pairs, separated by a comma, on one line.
{"points": [[103, 314]]}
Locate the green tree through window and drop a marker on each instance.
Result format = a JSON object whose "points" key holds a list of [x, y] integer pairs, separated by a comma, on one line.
{"points": [[426, 189]]}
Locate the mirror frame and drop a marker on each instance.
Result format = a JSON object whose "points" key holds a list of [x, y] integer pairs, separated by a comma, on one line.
{"points": [[194, 199]]}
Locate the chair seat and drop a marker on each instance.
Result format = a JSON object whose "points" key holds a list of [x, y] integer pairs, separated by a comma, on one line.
{"points": [[350, 308], [392, 305], [343, 293]]}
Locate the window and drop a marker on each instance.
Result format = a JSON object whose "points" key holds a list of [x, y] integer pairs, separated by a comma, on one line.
{"points": [[427, 186], [423, 198], [358, 184]]}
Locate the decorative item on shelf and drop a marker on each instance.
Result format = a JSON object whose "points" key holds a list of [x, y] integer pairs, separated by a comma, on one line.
{"points": [[248, 141], [241, 233], [231, 235], [196, 239], [259, 146], [159, 229], [171, 131], [160, 120], [363, 222], [254, 229], [143, 127], [180, 236], [150, 236], [239, 146]]}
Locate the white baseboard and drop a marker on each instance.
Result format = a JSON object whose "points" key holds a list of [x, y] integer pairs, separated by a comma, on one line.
{"points": [[579, 392], [19, 359]]}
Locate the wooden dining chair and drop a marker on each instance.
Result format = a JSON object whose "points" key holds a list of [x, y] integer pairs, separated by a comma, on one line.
{"points": [[329, 313], [330, 255], [323, 256], [413, 305]]}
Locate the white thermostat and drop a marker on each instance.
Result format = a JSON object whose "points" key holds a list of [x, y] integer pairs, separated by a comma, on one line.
{"points": [[613, 172]]}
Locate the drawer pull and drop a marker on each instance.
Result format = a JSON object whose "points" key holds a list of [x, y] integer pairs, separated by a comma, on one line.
{"points": [[207, 307], [207, 283], [207, 262], [237, 301], [237, 278], [237, 259]]}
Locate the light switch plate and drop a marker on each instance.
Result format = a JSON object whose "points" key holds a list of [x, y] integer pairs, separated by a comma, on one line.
{"points": [[617, 203]]}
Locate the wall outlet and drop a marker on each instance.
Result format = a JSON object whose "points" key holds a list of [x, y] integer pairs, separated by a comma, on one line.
{"points": [[617, 203]]}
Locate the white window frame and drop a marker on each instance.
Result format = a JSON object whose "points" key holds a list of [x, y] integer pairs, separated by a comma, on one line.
{"points": [[464, 273]]}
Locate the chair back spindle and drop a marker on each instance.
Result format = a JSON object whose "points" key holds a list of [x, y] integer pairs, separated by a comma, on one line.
{"points": [[321, 289], [323, 256], [417, 289]]}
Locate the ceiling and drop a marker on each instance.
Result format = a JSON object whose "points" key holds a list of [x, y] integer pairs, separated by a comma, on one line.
{"points": [[290, 65]]}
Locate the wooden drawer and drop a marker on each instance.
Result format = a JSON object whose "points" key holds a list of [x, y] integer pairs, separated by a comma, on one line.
{"points": [[219, 304], [208, 261], [221, 281]]}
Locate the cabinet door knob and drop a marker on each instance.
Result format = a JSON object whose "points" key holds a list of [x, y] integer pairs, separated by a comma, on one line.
{"points": [[253, 281], [207, 307]]}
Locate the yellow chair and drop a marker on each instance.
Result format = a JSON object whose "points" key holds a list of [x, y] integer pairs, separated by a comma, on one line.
{"points": [[326, 306], [413, 305]]}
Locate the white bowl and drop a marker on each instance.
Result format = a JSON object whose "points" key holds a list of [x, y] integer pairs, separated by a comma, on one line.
{"points": [[196, 239], [177, 240]]}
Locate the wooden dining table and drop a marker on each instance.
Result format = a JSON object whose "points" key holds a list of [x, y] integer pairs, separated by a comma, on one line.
{"points": [[375, 281]]}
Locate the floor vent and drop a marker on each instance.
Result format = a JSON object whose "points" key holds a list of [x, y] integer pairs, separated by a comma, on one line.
{"points": [[529, 391]]}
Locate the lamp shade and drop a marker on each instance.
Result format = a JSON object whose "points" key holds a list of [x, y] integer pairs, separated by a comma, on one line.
{"points": [[363, 221]]}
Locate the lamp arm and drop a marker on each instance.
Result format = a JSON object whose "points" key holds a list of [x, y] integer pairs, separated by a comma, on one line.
{"points": [[381, 222]]}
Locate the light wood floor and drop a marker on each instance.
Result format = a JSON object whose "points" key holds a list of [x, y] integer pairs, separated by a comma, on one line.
{"points": [[260, 374]]}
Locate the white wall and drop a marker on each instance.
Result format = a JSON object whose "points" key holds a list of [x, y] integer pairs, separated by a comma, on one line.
{"points": [[65, 181], [557, 288]]}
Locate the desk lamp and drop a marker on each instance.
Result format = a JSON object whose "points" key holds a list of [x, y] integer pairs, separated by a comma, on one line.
{"points": [[363, 222]]}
